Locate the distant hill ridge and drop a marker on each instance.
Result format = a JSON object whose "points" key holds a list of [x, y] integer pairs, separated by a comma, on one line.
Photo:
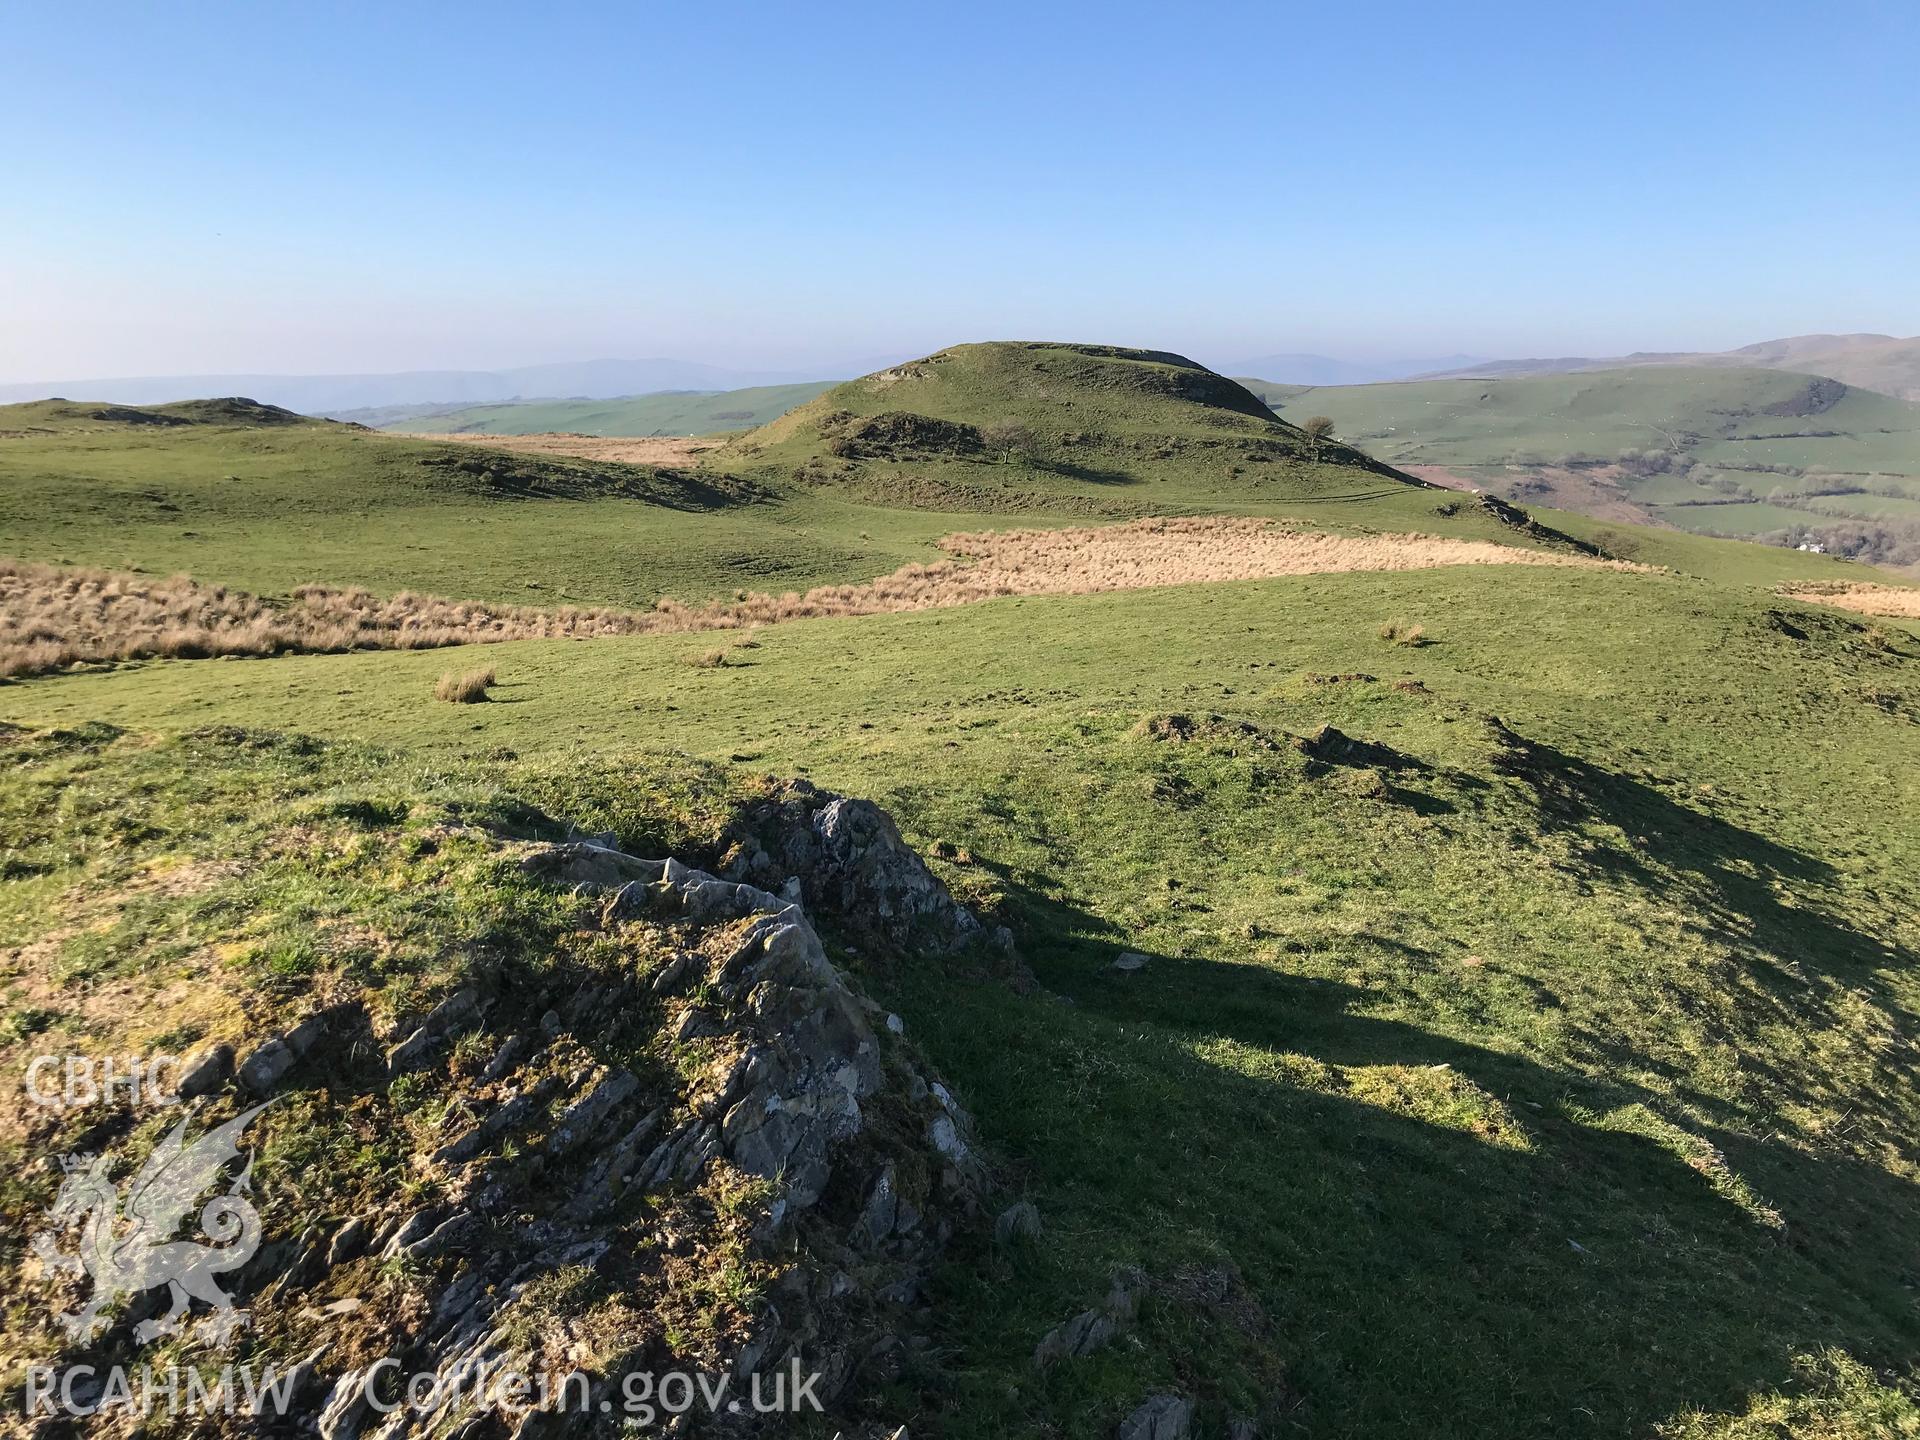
{"points": [[1886, 363], [329, 394], [668, 412], [1716, 449]]}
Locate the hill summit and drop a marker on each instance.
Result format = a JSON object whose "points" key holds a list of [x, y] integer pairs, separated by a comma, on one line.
{"points": [[1063, 419]]}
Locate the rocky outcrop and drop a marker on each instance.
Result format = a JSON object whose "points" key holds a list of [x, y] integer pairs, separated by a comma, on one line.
{"points": [[725, 1102], [850, 864], [897, 435]]}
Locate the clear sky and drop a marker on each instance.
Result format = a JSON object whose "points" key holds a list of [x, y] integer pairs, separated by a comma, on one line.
{"points": [[199, 187]]}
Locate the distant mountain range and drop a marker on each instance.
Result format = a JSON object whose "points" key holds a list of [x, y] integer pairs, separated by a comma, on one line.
{"points": [[1293, 369], [1885, 363], [329, 394]]}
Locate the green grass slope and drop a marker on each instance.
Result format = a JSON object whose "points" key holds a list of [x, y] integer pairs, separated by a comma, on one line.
{"points": [[1715, 450], [1088, 430], [269, 506], [1548, 1074], [671, 412], [1886, 363]]}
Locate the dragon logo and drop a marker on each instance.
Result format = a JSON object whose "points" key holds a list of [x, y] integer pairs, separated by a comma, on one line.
{"points": [[127, 1243]]}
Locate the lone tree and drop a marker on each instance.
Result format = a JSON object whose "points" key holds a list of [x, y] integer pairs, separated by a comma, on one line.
{"points": [[1318, 430], [1006, 438]]}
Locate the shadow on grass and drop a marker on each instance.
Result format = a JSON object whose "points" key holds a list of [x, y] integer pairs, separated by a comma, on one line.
{"points": [[1745, 891], [1422, 1273], [1445, 1238]]}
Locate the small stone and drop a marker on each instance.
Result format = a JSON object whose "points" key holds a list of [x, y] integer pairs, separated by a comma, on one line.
{"points": [[1080, 1336], [1019, 1221], [1162, 1417], [348, 1242], [307, 1034], [1128, 961], [266, 1066], [896, 1025], [672, 974], [345, 1410]]}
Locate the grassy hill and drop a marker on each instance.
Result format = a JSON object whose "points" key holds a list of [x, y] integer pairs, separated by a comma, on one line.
{"points": [[1885, 363], [673, 412], [1517, 1031], [270, 505], [1087, 429], [1718, 451]]}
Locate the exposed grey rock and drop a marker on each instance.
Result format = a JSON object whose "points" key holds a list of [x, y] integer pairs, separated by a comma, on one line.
{"points": [[512, 1114], [444, 1236], [878, 1214], [674, 973], [307, 1034], [697, 1024], [587, 1114], [796, 1070], [345, 1411], [348, 1242], [266, 1066], [1082, 1335], [446, 1017], [1128, 961], [594, 867], [1019, 1221], [1123, 1295], [506, 1057], [1091, 1329], [847, 858], [412, 1230], [1162, 1417]]}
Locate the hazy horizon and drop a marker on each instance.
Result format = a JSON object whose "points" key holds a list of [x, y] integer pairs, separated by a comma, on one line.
{"points": [[347, 191]]}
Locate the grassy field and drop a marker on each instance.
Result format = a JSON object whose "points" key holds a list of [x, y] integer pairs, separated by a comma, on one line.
{"points": [[671, 412], [1538, 1064], [1412, 1031], [1661, 443]]}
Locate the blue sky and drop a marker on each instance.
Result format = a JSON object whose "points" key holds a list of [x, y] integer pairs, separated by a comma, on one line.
{"points": [[202, 187]]}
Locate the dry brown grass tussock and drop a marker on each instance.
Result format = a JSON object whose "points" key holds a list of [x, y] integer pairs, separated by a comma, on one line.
{"points": [[1862, 597], [628, 449], [469, 688], [51, 618]]}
